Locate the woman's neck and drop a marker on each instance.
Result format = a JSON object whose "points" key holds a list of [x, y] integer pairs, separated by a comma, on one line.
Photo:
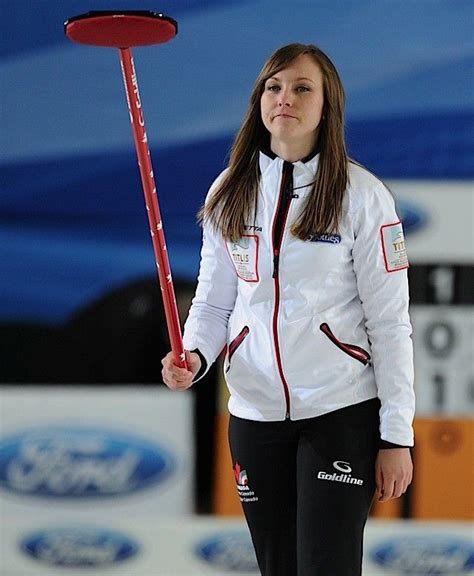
{"points": [[291, 154], [293, 151]]}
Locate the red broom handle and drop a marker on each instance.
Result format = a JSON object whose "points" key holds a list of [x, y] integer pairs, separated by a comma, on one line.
{"points": [[152, 206]]}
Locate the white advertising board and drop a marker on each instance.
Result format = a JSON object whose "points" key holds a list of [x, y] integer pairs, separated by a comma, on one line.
{"points": [[437, 219], [195, 546], [67, 453]]}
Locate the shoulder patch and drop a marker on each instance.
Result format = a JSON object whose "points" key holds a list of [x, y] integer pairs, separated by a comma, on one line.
{"points": [[393, 247]]}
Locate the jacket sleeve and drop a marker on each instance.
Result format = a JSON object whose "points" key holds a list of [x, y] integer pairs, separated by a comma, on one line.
{"points": [[380, 265], [206, 326]]}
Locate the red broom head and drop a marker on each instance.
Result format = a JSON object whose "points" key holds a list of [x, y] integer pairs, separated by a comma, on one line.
{"points": [[120, 29]]}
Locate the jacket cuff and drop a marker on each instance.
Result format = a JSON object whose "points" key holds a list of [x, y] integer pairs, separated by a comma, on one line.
{"points": [[385, 444], [203, 368]]}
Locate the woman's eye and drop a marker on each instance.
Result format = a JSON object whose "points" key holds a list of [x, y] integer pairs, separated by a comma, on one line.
{"points": [[303, 89], [273, 88]]}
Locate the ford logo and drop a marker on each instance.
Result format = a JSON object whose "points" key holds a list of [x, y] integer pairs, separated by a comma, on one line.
{"points": [[426, 555], [232, 551], [83, 546], [412, 216], [79, 462]]}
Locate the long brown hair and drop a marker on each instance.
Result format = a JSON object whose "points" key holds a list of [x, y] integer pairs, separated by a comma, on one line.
{"points": [[234, 202]]}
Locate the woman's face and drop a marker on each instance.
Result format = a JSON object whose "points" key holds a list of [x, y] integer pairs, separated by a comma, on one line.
{"points": [[291, 106]]}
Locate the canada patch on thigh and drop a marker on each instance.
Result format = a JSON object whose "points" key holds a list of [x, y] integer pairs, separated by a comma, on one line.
{"points": [[246, 494]]}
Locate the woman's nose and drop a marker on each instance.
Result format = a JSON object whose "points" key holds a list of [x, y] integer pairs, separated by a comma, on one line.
{"points": [[285, 98]]}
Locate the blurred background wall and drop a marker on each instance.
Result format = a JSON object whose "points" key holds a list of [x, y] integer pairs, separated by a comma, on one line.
{"points": [[80, 307]]}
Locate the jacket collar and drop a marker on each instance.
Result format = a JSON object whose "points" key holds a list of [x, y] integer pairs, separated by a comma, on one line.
{"points": [[308, 166]]}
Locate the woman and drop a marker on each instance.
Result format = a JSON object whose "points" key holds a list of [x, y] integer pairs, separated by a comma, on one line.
{"points": [[303, 276]]}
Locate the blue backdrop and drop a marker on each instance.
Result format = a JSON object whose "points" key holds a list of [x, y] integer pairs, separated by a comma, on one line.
{"points": [[72, 216]]}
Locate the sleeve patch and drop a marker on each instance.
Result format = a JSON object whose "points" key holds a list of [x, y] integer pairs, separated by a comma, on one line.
{"points": [[393, 247]]}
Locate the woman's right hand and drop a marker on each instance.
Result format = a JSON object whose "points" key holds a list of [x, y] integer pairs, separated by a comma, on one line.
{"points": [[178, 378]]}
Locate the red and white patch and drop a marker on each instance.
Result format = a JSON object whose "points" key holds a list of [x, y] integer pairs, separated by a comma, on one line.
{"points": [[246, 494], [393, 247], [244, 255]]}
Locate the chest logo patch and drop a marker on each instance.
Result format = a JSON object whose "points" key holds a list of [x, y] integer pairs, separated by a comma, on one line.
{"points": [[244, 255], [326, 238], [393, 247]]}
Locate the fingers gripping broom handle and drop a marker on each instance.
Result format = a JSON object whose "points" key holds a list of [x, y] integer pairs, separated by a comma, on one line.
{"points": [[152, 206]]}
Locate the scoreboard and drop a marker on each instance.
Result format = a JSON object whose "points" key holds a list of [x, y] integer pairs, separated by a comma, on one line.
{"points": [[442, 314]]}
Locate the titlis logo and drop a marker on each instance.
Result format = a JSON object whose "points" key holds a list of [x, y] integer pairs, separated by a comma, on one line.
{"points": [[398, 242], [345, 477]]}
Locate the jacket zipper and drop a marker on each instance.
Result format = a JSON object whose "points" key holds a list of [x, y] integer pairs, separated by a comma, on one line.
{"points": [[351, 349], [279, 222]]}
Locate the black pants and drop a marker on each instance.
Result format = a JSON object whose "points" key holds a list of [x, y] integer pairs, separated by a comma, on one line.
{"points": [[306, 488]]}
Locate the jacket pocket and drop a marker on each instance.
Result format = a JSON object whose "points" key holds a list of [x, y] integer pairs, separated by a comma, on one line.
{"points": [[351, 349], [236, 342]]}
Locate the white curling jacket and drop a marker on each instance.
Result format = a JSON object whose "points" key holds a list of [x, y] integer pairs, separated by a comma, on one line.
{"points": [[310, 326]]}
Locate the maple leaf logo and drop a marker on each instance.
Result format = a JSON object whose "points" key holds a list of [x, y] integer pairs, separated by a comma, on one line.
{"points": [[237, 472], [240, 475]]}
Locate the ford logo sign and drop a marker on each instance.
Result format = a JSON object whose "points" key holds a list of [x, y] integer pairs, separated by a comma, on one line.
{"points": [[426, 555], [412, 216], [74, 547], [232, 551], [80, 462]]}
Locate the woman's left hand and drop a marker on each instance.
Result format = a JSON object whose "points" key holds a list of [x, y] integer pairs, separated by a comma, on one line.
{"points": [[393, 473]]}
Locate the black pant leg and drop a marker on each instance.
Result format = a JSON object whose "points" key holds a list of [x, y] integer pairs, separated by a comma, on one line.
{"points": [[264, 460], [336, 484]]}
